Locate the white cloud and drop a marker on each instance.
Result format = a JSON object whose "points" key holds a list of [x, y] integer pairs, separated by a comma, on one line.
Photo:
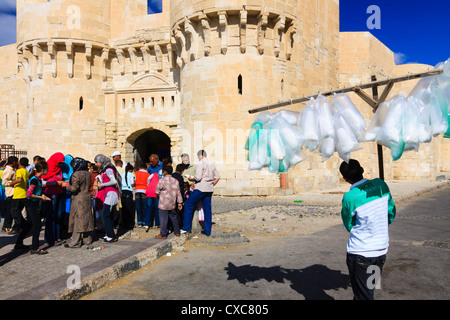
{"points": [[399, 58]]}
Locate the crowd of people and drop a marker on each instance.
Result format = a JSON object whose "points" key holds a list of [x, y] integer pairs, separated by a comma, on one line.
{"points": [[76, 200]]}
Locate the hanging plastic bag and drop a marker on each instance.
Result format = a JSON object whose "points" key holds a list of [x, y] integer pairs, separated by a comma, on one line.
{"points": [[327, 148], [438, 112], [308, 125], [424, 127], [351, 114], [259, 153], [252, 146], [410, 123], [446, 68], [289, 135], [276, 145], [346, 142], [290, 116], [377, 122], [391, 130], [325, 116], [263, 117], [422, 89]]}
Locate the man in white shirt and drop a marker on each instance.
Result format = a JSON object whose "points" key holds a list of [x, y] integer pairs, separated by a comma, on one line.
{"points": [[206, 177], [367, 211]]}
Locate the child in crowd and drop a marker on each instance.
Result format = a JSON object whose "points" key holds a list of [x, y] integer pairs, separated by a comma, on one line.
{"points": [[128, 184], [20, 193], [140, 189], [34, 197]]}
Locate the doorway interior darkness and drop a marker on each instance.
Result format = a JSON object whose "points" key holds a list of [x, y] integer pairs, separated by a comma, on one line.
{"points": [[150, 142]]}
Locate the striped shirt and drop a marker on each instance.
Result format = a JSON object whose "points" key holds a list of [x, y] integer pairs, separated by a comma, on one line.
{"points": [[367, 210]]}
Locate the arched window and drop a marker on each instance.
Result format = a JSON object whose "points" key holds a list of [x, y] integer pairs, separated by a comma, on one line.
{"points": [[81, 103]]}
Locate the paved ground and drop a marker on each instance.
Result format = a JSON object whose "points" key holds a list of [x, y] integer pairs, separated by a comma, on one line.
{"points": [[298, 266], [25, 276]]}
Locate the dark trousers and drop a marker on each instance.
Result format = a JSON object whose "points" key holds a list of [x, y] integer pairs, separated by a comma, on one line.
{"points": [[108, 221], [164, 216], [33, 221], [7, 214], [16, 212], [54, 212], [362, 286], [127, 218]]}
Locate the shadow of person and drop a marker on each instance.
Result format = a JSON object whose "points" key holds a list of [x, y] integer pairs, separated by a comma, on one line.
{"points": [[311, 282]]}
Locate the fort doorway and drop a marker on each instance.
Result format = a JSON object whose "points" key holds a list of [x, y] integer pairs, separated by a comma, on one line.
{"points": [[151, 142]]}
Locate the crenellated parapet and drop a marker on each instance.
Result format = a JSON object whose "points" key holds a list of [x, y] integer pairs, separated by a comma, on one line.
{"points": [[32, 55], [241, 29], [135, 58]]}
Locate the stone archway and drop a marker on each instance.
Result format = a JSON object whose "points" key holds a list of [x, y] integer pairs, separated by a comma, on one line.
{"points": [[150, 141]]}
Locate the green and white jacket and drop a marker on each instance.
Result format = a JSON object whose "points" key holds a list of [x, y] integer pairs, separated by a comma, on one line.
{"points": [[367, 210]]}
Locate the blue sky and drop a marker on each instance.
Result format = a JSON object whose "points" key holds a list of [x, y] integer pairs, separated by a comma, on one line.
{"points": [[417, 31]]}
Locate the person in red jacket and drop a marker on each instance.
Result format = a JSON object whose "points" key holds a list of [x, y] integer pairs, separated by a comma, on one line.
{"points": [[53, 210], [140, 196]]}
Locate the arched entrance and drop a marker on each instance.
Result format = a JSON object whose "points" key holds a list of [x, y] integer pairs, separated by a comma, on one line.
{"points": [[150, 142]]}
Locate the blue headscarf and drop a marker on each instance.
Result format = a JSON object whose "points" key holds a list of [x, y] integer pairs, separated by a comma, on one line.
{"points": [[67, 168]]}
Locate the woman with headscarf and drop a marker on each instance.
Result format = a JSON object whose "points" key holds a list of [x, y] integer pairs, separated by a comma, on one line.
{"points": [[67, 172], [53, 210], [81, 220], [108, 193]]}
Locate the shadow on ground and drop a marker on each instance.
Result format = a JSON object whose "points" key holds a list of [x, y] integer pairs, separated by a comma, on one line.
{"points": [[311, 282]]}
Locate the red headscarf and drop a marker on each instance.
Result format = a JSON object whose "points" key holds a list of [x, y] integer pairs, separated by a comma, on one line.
{"points": [[53, 167]]}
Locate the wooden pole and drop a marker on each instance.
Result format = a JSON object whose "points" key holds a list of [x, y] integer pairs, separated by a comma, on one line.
{"points": [[380, 147], [357, 89]]}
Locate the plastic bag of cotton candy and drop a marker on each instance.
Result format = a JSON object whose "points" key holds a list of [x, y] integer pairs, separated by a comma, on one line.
{"points": [[430, 97], [326, 128], [285, 142], [349, 126], [258, 153], [444, 84], [273, 141], [392, 124]]}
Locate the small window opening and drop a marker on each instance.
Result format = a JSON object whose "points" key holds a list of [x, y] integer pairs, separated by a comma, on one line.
{"points": [[154, 6], [81, 103], [123, 103], [240, 84], [173, 101], [162, 102], [153, 102], [142, 102]]}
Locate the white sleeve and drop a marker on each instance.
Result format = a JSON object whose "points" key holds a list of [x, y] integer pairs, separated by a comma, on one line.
{"points": [[110, 173]]}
